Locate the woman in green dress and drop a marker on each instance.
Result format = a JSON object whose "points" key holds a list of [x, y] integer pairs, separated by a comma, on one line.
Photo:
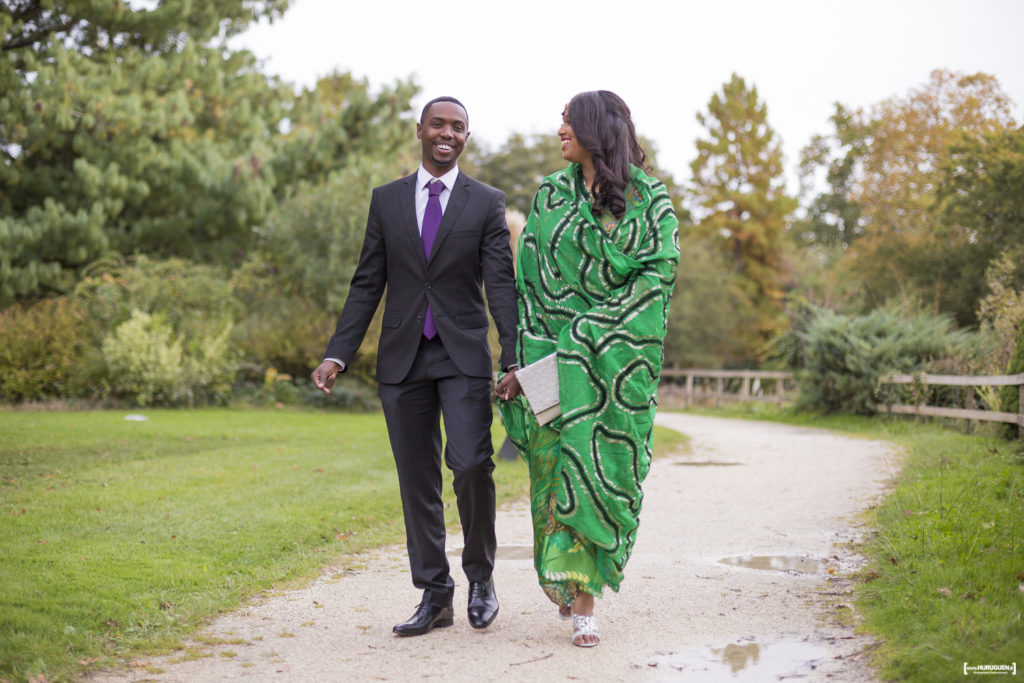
{"points": [[595, 267]]}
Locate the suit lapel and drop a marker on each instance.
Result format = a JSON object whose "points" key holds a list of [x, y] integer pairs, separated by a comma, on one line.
{"points": [[456, 203], [407, 205]]}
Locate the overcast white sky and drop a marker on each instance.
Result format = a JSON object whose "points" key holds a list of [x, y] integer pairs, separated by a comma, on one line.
{"points": [[515, 65]]}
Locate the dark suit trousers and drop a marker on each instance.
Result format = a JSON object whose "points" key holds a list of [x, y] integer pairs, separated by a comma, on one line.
{"points": [[434, 388]]}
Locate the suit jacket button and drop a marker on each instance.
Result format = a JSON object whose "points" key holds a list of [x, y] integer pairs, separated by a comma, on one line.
{"points": [[419, 318], [427, 285]]}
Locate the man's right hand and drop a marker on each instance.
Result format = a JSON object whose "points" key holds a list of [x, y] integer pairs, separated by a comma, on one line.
{"points": [[323, 376]]}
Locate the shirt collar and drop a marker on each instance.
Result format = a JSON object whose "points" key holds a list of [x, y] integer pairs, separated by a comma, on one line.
{"points": [[423, 177]]}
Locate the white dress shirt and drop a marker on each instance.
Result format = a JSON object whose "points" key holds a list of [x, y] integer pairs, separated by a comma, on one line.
{"points": [[423, 178]]}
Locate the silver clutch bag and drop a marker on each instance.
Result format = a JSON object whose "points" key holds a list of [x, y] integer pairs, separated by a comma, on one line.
{"points": [[539, 381]]}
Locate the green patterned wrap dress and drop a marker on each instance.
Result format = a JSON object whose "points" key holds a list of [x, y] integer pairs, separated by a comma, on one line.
{"points": [[597, 291]]}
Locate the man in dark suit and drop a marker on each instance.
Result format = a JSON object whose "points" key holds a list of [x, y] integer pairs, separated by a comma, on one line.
{"points": [[433, 240]]}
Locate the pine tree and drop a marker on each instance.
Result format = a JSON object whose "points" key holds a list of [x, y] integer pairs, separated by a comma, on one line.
{"points": [[128, 129], [738, 185], [334, 124]]}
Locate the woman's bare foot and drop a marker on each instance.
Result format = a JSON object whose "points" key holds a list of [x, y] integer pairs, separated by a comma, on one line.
{"points": [[565, 612], [583, 606]]}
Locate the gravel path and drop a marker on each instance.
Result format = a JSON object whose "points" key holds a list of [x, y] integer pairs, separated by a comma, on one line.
{"points": [[737, 575]]}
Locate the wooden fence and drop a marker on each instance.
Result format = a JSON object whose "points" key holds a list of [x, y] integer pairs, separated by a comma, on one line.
{"points": [[715, 386], [969, 384], [702, 386]]}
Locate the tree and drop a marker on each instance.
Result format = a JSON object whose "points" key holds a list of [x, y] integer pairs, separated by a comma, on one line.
{"points": [[906, 249], [138, 131], [980, 198], [738, 187], [134, 130], [833, 217], [336, 123]]}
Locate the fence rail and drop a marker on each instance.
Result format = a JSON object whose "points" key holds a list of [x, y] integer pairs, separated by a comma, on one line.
{"points": [[968, 413], [692, 386], [696, 386]]}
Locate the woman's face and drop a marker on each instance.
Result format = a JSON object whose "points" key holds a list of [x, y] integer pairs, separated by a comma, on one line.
{"points": [[572, 150]]}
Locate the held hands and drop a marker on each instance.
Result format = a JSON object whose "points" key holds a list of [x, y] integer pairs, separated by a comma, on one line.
{"points": [[508, 388], [324, 375]]}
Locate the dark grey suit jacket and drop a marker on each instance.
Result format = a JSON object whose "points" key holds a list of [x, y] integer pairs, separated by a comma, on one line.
{"points": [[471, 252]]}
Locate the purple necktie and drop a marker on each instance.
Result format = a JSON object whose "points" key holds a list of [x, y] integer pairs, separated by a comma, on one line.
{"points": [[431, 222]]}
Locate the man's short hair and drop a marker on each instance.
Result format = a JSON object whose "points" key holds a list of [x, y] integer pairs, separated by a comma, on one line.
{"points": [[442, 98]]}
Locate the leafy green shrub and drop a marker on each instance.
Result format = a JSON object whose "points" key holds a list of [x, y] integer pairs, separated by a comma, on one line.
{"points": [[1001, 311], [191, 311], [1010, 396], [846, 355], [41, 349], [145, 361], [211, 367], [1001, 317]]}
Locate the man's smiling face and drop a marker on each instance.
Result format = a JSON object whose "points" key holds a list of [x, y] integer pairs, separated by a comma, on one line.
{"points": [[443, 134]]}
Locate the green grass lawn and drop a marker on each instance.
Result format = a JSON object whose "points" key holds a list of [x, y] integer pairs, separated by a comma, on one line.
{"points": [[119, 537], [945, 581]]}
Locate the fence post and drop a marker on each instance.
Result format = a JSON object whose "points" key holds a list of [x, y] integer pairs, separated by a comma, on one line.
{"points": [[922, 396], [688, 396], [746, 380], [971, 405], [718, 392], [1020, 411]]}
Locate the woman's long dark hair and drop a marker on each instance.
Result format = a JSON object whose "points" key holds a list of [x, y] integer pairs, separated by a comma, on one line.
{"points": [[603, 126]]}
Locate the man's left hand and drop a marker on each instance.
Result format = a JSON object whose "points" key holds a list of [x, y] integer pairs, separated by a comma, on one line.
{"points": [[508, 388]]}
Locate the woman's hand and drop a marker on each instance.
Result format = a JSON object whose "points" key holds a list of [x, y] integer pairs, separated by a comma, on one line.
{"points": [[508, 388]]}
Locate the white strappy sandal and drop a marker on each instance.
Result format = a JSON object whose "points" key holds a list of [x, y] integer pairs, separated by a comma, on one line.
{"points": [[584, 626]]}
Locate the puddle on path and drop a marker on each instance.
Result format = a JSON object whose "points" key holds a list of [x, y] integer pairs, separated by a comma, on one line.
{"points": [[791, 564], [743, 661], [706, 463], [504, 552]]}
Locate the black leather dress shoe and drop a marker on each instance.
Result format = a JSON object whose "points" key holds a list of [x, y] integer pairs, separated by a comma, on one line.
{"points": [[483, 604], [426, 618]]}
